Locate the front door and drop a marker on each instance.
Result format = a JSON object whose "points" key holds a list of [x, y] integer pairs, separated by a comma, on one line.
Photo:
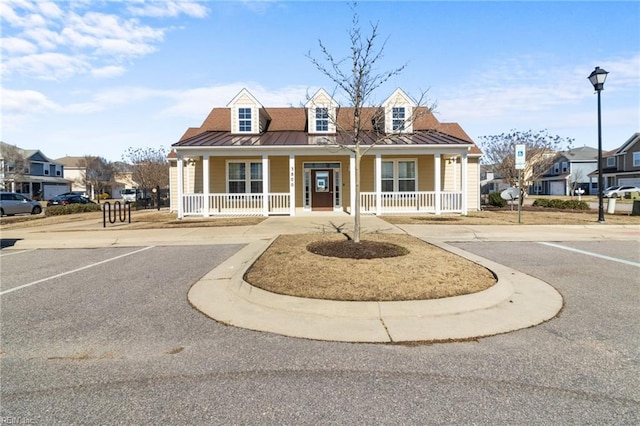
{"points": [[322, 191]]}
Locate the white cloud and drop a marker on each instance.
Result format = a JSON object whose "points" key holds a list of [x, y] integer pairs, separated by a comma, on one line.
{"points": [[48, 66], [13, 45], [108, 71], [159, 9], [197, 102], [82, 35]]}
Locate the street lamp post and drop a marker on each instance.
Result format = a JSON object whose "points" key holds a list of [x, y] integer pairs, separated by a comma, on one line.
{"points": [[597, 78]]}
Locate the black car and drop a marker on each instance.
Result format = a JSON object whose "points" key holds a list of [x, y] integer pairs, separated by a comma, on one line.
{"points": [[63, 200]]}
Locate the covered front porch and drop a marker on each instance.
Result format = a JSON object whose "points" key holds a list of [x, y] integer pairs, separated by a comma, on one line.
{"points": [[207, 184]]}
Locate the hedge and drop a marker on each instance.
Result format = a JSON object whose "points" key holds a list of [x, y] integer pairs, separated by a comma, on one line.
{"points": [[496, 200], [555, 203], [72, 208]]}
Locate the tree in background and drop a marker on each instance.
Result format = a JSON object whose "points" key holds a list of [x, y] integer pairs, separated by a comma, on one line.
{"points": [[12, 165], [541, 149], [150, 168], [356, 77], [98, 174]]}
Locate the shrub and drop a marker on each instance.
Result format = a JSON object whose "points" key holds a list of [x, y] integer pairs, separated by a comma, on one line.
{"points": [[71, 208], [104, 196], [496, 200], [555, 203]]}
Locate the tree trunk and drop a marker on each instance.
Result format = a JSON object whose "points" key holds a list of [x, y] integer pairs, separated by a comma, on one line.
{"points": [[356, 208]]}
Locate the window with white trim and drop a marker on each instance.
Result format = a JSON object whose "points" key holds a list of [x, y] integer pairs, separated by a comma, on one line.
{"points": [[244, 177], [611, 161], [399, 176], [244, 119], [322, 119], [398, 117], [636, 159]]}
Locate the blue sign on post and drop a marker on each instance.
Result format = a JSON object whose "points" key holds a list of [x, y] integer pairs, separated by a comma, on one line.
{"points": [[520, 156]]}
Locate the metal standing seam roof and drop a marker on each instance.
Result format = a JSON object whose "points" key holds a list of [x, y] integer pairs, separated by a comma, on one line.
{"points": [[297, 138]]}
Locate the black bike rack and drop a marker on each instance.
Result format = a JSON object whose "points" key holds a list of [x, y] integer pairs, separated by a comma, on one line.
{"points": [[119, 212]]}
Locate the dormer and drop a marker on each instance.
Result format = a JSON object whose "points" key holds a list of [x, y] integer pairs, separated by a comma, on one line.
{"points": [[398, 112], [321, 113], [248, 116]]}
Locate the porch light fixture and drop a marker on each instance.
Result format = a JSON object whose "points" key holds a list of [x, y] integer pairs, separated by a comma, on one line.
{"points": [[597, 78]]}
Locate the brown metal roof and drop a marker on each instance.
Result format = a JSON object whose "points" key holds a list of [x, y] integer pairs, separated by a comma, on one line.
{"points": [[300, 138]]}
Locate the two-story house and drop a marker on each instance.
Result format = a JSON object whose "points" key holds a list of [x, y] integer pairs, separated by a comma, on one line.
{"points": [[621, 166], [247, 159], [30, 172], [568, 172]]}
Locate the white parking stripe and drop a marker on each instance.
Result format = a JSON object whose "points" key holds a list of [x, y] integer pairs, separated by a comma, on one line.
{"points": [[588, 253], [15, 252], [73, 271]]}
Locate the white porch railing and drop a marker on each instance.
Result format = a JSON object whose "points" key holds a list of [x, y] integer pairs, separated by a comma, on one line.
{"points": [[235, 204], [280, 203], [411, 202]]}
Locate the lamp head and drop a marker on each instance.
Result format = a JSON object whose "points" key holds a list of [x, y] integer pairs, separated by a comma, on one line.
{"points": [[597, 78]]}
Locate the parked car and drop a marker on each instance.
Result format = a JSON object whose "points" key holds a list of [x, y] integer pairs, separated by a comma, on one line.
{"points": [[13, 203], [619, 191], [80, 193], [63, 200]]}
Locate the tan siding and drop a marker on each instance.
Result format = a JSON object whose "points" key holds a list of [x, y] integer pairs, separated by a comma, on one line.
{"points": [[279, 168], [367, 174], [217, 171], [173, 186], [426, 166], [473, 184]]}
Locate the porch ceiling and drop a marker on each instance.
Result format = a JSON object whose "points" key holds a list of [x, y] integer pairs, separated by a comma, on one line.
{"points": [[297, 138]]}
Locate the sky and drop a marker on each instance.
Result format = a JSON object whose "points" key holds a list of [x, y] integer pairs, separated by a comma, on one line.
{"points": [[91, 77]]}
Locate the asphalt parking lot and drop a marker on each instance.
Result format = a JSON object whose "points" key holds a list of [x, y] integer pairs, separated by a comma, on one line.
{"points": [[107, 336]]}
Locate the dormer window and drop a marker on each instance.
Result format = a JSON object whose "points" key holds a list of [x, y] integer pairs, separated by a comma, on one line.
{"points": [[611, 161], [398, 112], [321, 113], [322, 119], [244, 119], [398, 117]]}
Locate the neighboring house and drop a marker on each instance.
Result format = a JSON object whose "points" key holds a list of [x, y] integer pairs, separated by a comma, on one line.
{"points": [[620, 166], [491, 180], [247, 159], [30, 172], [75, 171], [570, 171]]}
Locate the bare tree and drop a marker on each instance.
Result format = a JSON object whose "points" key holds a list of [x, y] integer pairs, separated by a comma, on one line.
{"points": [[98, 173], [356, 78], [13, 164], [541, 149], [150, 167]]}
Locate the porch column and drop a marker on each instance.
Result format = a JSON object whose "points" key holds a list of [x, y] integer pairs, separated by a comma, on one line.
{"points": [[437, 180], [292, 185], [464, 186], [205, 185], [378, 184], [352, 183], [265, 185], [180, 165]]}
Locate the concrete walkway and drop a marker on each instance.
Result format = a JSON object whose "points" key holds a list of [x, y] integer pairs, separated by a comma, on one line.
{"points": [[517, 300]]}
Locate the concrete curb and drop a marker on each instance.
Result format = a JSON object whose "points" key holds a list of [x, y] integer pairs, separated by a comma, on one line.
{"points": [[516, 301]]}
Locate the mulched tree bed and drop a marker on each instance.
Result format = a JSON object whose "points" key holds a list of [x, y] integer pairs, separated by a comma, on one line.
{"points": [[349, 249]]}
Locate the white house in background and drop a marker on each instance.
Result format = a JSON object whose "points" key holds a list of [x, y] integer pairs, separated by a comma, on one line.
{"points": [[569, 171], [248, 159]]}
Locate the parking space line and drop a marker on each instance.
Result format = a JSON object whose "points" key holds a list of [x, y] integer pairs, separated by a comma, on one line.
{"points": [[73, 271], [588, 253], [15, 252]]}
